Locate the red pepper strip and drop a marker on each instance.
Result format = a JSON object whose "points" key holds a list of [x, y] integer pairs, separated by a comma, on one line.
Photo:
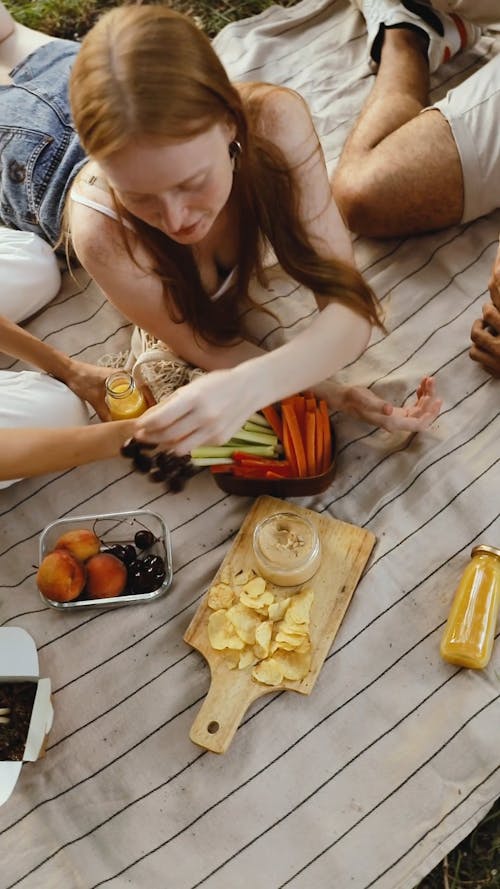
{"points": [[262, 461], [271, 474], [222, 467], [250, 471], [283, 468], [240, 456], [258, 472]]}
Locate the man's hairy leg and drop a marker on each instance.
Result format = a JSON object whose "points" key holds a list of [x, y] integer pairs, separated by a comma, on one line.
{"points": [[400, 171]]}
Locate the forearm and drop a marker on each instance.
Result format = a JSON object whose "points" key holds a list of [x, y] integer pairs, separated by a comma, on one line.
{"points": [[335, 338], [29, 452], [18, 343]]}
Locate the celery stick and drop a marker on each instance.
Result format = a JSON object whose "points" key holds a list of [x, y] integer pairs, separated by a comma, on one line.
{"points": [[254, 427], [257, 450], [210, 461], [255, 437], [259, 420], [225, 452], [213, 451]]}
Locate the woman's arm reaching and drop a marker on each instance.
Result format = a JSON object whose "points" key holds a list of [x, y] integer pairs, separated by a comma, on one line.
{"points": [[85, 380], [28, 452]]}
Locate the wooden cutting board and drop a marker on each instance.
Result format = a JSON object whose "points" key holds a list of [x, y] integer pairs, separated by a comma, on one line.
{"points": [[345, 551]]}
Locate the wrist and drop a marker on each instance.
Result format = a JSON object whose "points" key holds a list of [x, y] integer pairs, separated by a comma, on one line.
{"points": [[60, 366]]}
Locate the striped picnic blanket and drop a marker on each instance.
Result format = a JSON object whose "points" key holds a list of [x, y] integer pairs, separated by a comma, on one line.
{"points": [[394, 757]]}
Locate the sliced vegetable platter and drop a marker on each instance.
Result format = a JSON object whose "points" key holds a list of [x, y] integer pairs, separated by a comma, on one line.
{"points": [[285, 449]]}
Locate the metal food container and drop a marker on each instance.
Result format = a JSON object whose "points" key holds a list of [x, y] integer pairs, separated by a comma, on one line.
{"points": [[113, 528]]}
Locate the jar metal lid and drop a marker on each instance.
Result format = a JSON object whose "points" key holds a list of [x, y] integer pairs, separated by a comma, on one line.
{"points": [[483, 548]]}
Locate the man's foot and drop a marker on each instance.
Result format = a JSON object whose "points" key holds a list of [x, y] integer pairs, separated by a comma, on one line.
{"points": [[446, 34]]}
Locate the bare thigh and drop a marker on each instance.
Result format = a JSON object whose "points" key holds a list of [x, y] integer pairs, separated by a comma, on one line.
{"points": [[18, 45], [412, 181]]}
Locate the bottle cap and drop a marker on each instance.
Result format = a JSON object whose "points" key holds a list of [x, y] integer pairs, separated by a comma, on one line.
{"points": [[483, 548]]}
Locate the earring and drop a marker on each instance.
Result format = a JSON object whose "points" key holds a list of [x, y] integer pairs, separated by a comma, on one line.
{"points": [[235, 151]]}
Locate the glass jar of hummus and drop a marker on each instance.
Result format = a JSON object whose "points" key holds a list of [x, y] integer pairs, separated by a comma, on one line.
{"points": [[287, 549]]}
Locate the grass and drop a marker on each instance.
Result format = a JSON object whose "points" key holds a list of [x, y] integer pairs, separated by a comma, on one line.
{"points": [[475, 863]]}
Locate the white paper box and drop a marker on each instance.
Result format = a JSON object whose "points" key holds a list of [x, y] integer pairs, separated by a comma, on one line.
{"points": [[19, 663]]}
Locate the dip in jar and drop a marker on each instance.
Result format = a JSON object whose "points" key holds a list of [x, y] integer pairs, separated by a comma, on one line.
{"points": [[287, 549]]}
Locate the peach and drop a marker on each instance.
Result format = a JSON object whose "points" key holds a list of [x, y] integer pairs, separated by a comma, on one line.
{"points": [[106, 576], [81, 543], [60, 576]]}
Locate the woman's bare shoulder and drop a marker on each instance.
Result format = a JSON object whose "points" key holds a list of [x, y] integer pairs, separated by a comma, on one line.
{"points": [[278, 113]]}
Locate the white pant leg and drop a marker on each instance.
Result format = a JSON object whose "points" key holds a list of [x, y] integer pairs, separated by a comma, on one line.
{"points": [[472, 110], [31, 399], [29, 274]]}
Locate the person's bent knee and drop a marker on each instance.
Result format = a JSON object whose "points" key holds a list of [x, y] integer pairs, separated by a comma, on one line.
{"points": [[361, 212]]}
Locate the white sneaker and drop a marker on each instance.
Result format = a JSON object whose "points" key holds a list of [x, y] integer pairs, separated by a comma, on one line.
{"points": [[448, 34]]}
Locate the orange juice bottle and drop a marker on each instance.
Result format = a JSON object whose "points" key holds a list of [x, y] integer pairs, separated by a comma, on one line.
{"points": [[125, 401], [470, 628]]}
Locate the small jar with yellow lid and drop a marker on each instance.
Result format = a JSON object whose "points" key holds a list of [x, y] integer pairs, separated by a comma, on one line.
{"points": [[287, 549], [470, 629], [124, 400]]}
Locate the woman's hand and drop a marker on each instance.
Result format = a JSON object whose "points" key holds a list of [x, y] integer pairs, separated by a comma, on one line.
{"points": [[87, 381], [208, 410], [485, 336], [361, 402]]}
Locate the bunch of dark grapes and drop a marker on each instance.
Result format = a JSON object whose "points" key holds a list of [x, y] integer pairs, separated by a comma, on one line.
{"points": [[146, 574], [161, 466]]}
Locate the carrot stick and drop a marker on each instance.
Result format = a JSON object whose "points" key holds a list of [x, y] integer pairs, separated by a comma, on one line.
{"points": [[273, 418], [319, 440], [311, 443], [289, 448], [311, 403], [327, 436], [299, 406], [291, 422]]}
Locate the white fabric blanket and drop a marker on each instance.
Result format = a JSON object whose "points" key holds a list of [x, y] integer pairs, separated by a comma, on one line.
{"points": [[395, 755]]}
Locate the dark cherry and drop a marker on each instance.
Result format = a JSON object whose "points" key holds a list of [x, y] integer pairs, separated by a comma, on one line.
{"points": [[142, 462], [157, 475], [154, 562], [117, 550], [139, 582], [144, 539], [129, 554], [130, 448]]}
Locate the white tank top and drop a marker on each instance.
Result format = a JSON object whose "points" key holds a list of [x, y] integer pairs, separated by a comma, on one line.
{"points": [[112, 214]]}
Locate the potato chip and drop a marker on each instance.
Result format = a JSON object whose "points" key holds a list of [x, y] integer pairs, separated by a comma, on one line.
{"points": [[300, 607], [243, 576], [268, 672], [256, 601], [277, 609], [218, 629], [221, 632], [256, 587], [226, 575], [232, 659], [263, 639], [293, 665], [246, 659], [235, 642], [244, 621], [220, 595]]}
